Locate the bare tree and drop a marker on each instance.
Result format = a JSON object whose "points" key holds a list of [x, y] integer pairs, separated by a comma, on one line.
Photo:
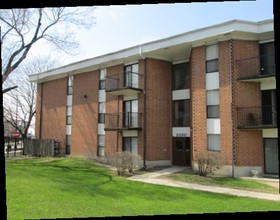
{"points": [[20, 104], [22, 28]]}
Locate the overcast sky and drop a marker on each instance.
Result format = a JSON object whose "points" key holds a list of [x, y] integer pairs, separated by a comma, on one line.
{"points": [[119, 27]]}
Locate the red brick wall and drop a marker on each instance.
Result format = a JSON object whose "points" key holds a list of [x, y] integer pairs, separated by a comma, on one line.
{"points": [[225, 102], [85, 114], [249, 144], [158, 109], [54, 110], [198, 101]]}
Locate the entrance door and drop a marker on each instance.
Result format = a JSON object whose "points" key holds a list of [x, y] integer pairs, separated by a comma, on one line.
{"points": [[181, 151], [271, 155]]}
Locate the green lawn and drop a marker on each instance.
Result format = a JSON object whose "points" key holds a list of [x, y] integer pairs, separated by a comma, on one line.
{"points": [[68, 187], [224, 182]]}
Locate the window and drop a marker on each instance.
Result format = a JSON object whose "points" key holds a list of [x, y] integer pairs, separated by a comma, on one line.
{"points": [[68, 144], [181, 113], [102, 79], [68, 115], [213, 142], [267, 54], [101, 115], [212, 62], [70, 85], [68, 120], [130, 144], [212, 100], [131, 76], [181, 76], [101, 145], [130, 113], [212, 66]]}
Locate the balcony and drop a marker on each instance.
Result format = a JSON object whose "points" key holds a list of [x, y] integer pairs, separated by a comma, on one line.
{"points": [[254, 69], [125, 83], [123, 121], [257, 117]]}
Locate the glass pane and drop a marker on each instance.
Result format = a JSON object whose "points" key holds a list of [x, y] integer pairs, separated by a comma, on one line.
{"points": [[101, 140], [181, 114], [213, 111], [135, 68], [213, 141], [271, 155], [179, 145], [68, 139], [101, 118], [134, 80], [69, 120], [126, 144], [134, 145], [212, 66], [102, 84], [212, 97], [180, 76]]}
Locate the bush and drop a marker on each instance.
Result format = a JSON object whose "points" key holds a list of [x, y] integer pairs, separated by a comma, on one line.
{"points": [[207, 163], [126, 161]]}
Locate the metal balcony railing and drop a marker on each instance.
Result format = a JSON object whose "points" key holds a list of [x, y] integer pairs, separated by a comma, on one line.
{"points": [[257, 117], [123, 121], [123, 81], [256, 67]]}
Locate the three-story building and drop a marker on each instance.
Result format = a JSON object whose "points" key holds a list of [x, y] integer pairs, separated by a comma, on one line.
{"points": [[207, 90]]}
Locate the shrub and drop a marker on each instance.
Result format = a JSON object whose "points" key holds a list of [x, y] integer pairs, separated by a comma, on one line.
{"points": [[207, 163], [126, 161]]}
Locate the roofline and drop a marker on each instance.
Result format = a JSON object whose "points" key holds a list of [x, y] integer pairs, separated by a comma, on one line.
{"points": [[138, 50]]}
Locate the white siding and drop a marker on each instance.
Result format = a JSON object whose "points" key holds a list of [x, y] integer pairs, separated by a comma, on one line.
{"points": [[68, 129], [101, 129], [181, 132], [180, 94], [130, 97], [212, 81], [213, 126], [270, 133], [268, 84], [102, 95], [69, 100], [130, 134]]}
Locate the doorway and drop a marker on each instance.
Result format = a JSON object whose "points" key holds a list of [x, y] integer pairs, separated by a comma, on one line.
{"points": [[271, 164], [181, 151]]}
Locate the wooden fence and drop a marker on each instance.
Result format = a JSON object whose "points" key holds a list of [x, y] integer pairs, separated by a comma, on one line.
{"points": [[41, 148]]}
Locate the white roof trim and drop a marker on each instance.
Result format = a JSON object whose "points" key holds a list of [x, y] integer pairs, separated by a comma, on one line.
{"points": [[118, 56]]}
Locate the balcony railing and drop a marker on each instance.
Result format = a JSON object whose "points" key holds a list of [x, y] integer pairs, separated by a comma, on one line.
{"points": [[256, 67], [123, 121], [257, 117], [124, 81]]}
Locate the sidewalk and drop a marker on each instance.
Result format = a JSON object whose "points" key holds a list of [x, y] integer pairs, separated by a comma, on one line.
{"points": [[153, 178]]}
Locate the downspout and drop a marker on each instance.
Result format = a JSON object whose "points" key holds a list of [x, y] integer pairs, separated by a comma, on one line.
{"points": [[144, 110], [232, 106], [41, 110]]}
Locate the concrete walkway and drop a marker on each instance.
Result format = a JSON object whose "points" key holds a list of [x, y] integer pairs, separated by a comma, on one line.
{"points": [[153, 178]]}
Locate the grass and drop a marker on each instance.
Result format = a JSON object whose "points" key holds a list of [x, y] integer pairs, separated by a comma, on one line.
{"points": [[235, 183], [68, 187]]}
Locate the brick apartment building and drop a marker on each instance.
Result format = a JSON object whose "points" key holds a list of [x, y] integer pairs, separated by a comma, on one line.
{"points": [[211, 89]]}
